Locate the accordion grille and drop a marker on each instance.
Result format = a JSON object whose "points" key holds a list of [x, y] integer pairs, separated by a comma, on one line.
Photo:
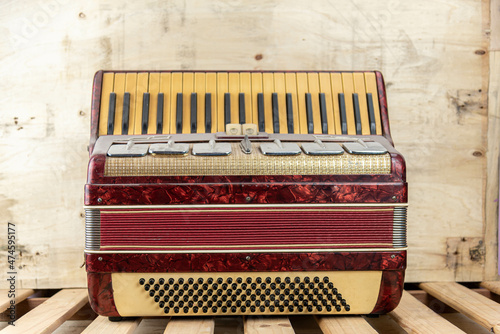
{"points": [[239, 163]]}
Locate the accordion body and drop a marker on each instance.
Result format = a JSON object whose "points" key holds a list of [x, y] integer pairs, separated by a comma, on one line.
{"points": [[240, 193]]}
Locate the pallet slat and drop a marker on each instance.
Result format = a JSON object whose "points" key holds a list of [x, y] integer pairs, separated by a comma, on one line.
{"points": [[477, 307], [415, 317], [190, 325], [103, 325], [342, 324], [51, 314], [268, 325], [411, 315], [21, 294], [493, 286]]}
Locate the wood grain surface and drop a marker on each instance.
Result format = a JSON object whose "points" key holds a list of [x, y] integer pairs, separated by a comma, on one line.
{"points": [[434, 56]]}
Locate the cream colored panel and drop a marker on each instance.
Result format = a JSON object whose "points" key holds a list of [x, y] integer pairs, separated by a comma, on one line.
{"points": [[359, 88], [199, 88], [268, 90], [175, 88], [119, 89], [359, 291], [165, 81], [142, 87], [336, 80], [212, 89], [256, 89], [302, 89], [187, 89], [279, 88], [291, 88], [154, 87], [348, 86], [131, 88], [313, 81], [246, 88], [325, 87], [234, 90], [222, 88], [371, 87]]}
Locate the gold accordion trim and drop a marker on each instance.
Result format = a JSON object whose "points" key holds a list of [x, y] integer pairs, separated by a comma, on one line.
{"points": [[238, 163]]}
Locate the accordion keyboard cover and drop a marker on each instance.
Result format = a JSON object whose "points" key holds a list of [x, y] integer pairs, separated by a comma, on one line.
{"points": [[240, 193]]}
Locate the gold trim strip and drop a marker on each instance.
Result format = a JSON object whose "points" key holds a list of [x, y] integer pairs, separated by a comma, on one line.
{"points": [[305, 250], [244, 246], [246, 210], [183, 206]]}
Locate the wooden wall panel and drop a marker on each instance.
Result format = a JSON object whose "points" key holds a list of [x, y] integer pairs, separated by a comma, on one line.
{"points": [[434, 56]]}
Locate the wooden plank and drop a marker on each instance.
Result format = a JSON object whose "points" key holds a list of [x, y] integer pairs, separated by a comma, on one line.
{"points": [[342, 324], [72, 327], [385, 324], [268, 325], [103, 325], [44, 126], [20, 295], [51, 314], [479, 308], [417, 318], [190, 325], [466, 257], [436, 305], [495, 27], [493, 286], [464, 323], [492, 188]]}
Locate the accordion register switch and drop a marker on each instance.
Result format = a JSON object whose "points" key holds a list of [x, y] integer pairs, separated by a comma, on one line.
{"points": [[240, 193]]}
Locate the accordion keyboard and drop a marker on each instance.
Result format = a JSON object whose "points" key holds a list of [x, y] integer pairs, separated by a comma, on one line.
{"points": [[206, 102]]}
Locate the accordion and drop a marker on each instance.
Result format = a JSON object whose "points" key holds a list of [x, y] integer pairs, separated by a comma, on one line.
{"points": [[240, 193]]}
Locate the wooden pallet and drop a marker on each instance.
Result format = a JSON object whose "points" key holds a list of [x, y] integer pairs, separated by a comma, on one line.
{"points": [[462, 310]]}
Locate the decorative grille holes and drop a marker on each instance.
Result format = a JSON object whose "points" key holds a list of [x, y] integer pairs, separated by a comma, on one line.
{"points": [[244, 295]]}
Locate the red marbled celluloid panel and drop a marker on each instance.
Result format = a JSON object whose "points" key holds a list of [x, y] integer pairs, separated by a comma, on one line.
{"points": [[167, 194], [391, 290], [95, 109], [384, 114], [234, 262], [101, 294]]}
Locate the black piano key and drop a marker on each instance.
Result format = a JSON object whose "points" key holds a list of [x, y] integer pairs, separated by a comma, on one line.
{"points": [[343, 116], [194, 112], [309, 113], [371, 113], [126, 113], [357, 113], [111, 113], [322, 108], [178, 114], [145, 112], [276, 113], [208, 112], [260, 112], [241, 106], [289, 112], [227, 108], [159, 113]]}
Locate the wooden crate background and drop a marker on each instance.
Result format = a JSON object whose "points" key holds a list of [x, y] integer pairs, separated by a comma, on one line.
{"points": [[437, 308], [441, 63]]}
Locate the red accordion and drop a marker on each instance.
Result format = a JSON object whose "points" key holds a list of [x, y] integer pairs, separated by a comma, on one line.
{"points": [[239, 193]]}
